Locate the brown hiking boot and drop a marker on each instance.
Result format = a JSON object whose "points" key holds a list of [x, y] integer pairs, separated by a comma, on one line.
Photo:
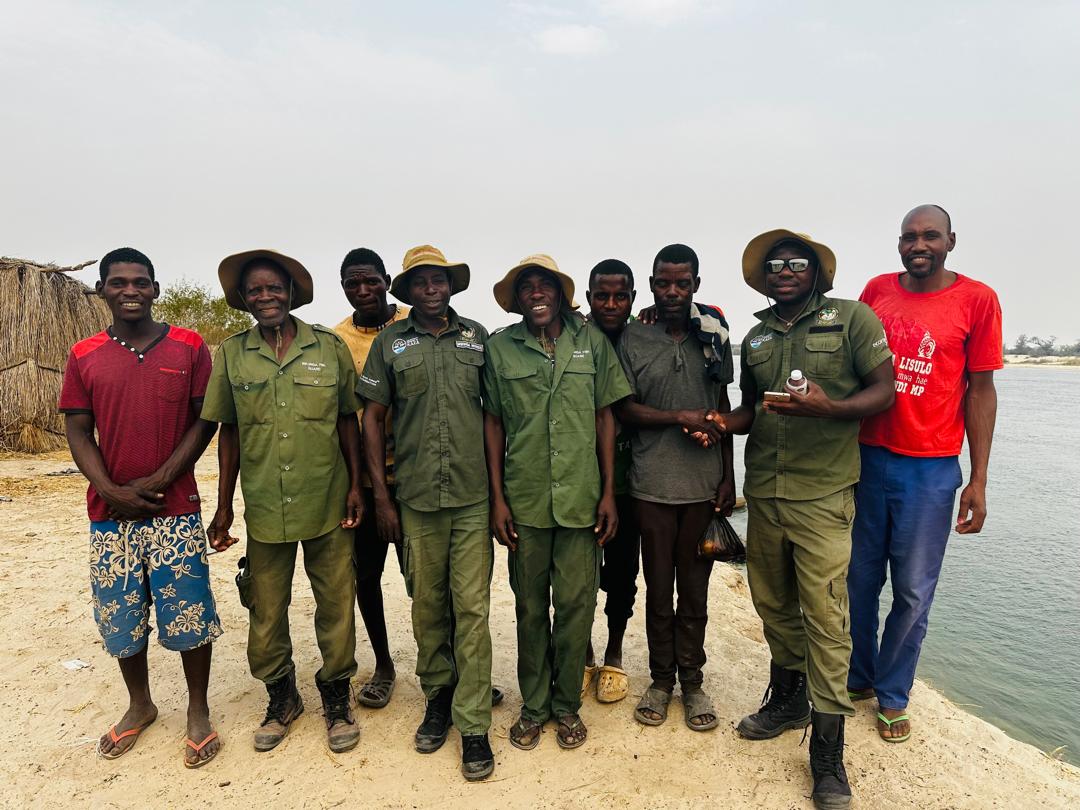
{"points": [[342, 731], [284, 707]]}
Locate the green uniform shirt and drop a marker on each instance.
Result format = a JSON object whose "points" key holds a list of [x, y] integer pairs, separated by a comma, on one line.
{"points": [[548, 409], [835, 342], [292, 473], [433, 385]]}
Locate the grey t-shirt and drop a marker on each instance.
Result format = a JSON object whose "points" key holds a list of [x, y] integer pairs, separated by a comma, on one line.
{"points": [[668, 467]]}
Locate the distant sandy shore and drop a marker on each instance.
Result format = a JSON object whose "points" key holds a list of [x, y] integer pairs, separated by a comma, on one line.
{"points": [[54, 715], [1026, 361]]}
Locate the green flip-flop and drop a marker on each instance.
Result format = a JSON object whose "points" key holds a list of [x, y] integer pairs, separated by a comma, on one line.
{"points": [[889, 724]]}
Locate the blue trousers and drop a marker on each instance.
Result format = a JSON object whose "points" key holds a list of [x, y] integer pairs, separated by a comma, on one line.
{"points": [[903, 516]]}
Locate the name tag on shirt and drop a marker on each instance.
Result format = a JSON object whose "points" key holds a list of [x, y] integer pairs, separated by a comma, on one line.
{"points": [[465, 344]]}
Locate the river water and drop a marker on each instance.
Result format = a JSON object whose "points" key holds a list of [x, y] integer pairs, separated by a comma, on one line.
{"points": [[1004, 637]]}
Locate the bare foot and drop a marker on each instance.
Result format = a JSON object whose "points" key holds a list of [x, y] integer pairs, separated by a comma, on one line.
{"points": [[137, 716], [897, 729], [198, 729]]}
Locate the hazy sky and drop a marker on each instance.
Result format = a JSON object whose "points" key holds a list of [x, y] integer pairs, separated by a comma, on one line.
{"points": [[191, 130]]}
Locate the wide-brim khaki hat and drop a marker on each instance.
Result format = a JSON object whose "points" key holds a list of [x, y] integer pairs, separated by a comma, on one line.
{"points": [[232, 266], [428, 256], [504, 289], [753, 258]]}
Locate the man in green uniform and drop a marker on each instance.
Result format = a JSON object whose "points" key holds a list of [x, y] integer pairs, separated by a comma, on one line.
{"points": [[283, 392], [549, 383], [427, 369], [802, 463]]}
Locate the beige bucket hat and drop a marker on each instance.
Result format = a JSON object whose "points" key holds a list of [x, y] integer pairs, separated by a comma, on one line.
{"points": [[231, 267], [753, 258], [427, 256], [504, 289]]}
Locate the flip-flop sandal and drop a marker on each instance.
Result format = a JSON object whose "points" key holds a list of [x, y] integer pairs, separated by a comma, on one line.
{"points": [[520, 731], [655, 700], [572, 723], [131, 732], [213, 735], [380, 688], [587, 679], [612, 685], [856, 695], [696, 704], [889, 724]]}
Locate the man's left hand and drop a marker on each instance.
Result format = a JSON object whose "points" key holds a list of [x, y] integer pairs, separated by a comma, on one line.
{"points": [[725, 497], [972, 513], [813, 403], [354, 509], [607, 520]]}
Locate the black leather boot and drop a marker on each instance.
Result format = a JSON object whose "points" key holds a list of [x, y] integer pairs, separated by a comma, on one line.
{"points": [[342, 731], [784, 706], [432, 732], [477, 761], [831, 789], [285, 706]]}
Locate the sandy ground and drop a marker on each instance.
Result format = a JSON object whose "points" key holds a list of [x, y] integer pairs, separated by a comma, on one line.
{"points": [[55, 715]]}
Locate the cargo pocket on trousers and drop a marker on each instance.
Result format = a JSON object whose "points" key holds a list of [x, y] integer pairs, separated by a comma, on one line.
{"points": [[839, 617]]}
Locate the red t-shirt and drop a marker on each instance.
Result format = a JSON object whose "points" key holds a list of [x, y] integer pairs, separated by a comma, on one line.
{"points": [[936, 339], [142, 406]]}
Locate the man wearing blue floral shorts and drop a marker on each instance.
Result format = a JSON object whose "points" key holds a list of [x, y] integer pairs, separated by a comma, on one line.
{"points": [[140, 384]]}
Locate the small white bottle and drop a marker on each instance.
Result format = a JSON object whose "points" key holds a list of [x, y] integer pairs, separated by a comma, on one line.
{"points": [[797, 383]]}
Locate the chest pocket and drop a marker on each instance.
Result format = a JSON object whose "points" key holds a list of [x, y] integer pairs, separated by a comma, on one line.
{"points": [[523, 390], [315, 396], [578, 384], [758, 362], [410, 375], [172, 384], [469, 365], [824, 355], [253, 402]]}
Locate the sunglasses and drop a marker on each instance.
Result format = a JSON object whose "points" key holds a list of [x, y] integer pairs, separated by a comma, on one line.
{"points": [[776, 266]]}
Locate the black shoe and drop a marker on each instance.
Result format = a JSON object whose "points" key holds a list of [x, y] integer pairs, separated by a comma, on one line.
{"points": [[342, 731], [784, 706], [496, 696], [477, 761], [285, 706], [831, 789], [431, 734]]}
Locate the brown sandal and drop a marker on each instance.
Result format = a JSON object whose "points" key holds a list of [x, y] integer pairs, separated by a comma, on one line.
{"points": [[525, 734], [573, 726]]}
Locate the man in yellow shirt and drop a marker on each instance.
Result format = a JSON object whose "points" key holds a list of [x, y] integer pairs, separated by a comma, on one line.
{"points": [[365, 281]]}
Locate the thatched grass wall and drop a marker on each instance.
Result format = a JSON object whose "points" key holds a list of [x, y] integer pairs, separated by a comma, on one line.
{"points": [[43, 312]]}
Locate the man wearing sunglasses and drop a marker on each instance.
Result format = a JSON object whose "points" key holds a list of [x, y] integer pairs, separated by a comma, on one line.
{"points": [[802, 463]]}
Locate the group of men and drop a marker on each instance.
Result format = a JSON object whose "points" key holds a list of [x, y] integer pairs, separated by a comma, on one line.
{"points": [[582, 444]]}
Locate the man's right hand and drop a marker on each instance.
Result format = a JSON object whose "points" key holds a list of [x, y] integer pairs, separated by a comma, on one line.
{"points": [[133, 502], [217, 533], [386, 519], [502, 525]]}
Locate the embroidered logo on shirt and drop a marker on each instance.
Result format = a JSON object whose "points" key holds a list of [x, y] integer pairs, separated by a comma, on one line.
{"points": [[827, 314], [401, 344], [581, 354], [468, 332], [312, 365], [464, 344], [368, 380], [757, 341]]}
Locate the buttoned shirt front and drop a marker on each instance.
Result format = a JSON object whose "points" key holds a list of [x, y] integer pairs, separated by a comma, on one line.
{"points": [[548, 408], [292, 472], [835, 343], [433, 385]]}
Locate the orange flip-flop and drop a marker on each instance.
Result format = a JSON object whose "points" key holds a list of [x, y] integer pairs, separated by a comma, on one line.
{"points": [[213, 735], [131, 732]]}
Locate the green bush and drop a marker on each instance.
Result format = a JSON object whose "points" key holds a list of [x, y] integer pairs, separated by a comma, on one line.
{"points": [[193, 306]]}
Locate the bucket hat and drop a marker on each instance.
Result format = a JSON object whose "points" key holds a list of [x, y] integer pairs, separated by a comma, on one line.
{"points": [[504, 290], [232, 267], [753, 258], [427, 256]]}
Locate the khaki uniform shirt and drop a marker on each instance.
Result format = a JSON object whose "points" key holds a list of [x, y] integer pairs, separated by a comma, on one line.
{"points": [[548, 409], [836, 343], [433, 386], [292, 472], [359, 340]]}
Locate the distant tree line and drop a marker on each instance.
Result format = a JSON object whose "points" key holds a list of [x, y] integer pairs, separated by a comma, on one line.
{"points": [[1036, 346], [193, 306]]}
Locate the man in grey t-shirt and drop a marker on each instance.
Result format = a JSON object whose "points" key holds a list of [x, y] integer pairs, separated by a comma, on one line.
{"points": [[679, 369]]}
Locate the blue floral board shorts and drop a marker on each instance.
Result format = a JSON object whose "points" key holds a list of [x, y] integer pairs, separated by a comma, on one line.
{"points": [[160, 561]]}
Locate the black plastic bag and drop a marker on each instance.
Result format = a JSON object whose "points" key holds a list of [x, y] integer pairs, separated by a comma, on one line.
{"points": [[244, 584], [721, 542]]}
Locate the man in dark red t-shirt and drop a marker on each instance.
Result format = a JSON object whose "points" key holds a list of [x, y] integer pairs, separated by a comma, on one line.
{"points": [[140, 384], [944, 330]]}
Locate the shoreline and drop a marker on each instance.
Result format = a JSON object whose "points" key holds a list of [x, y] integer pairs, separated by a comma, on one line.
{"points": [[954, 759]]}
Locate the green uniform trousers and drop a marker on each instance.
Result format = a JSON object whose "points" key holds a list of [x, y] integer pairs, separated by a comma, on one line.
{"points": [[328, 561], [448, 557], [797, 555], [559, 567]]}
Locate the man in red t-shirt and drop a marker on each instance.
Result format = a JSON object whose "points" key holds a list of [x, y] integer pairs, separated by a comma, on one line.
{"points": [[944, 330], [140, 384]]}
